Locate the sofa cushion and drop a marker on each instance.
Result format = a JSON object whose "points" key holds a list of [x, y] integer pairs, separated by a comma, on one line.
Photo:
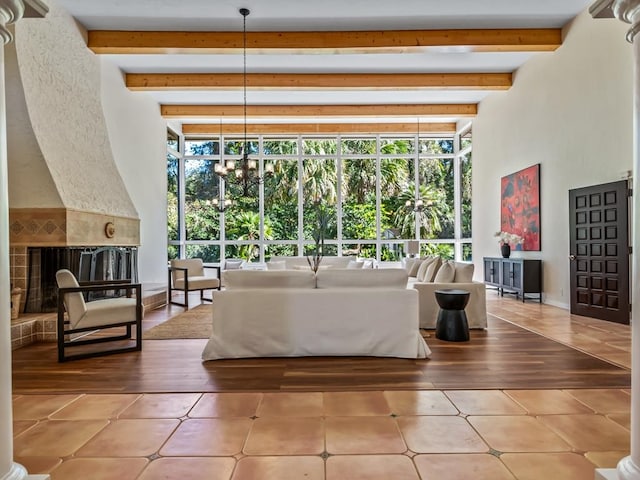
{"points": [[233, 263], [367, 262], [303, 268], [446, 273], [362, 278], [194, 267], [251, 279], [276, 265], [415, 265], [355, 264], [428, 269], [464, 272]]}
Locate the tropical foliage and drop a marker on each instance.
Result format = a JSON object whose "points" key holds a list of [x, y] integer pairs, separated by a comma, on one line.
{"points": [[307, 173]]}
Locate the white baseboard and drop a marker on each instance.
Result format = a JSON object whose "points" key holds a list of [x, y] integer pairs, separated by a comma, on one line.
{"points": [[564, 306]]}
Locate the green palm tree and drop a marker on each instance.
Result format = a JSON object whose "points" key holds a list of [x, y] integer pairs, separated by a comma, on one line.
{"points": [[428, 219], [319, 180], [247, 225], [394, 176]]}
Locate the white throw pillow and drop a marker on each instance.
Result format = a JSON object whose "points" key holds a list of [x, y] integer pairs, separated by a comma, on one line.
{"points": [[233, 264], [446, 273], [355, 264], [408, 264], [277, 265], [415, 266], [422, 269], [432, 270], [464, 272], [367, 264], [428, 269]]}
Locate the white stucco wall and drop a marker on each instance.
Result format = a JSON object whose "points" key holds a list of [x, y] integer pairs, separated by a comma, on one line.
{"points": [[569, 110], [137, 134], [61, 79]]}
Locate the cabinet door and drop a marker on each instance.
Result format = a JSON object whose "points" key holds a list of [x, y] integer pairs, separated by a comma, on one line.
{"points": [[507, 274], [492, 271], [516, 275]]}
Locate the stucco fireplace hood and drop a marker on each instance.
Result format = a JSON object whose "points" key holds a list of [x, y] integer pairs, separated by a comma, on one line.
{"points": [[64, 185]]}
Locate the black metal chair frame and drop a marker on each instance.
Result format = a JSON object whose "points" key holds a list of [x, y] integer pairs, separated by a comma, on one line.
{"points": [[186, 290], [63, 324]]}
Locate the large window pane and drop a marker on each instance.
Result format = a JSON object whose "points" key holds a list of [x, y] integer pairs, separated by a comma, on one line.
{"points": [[363, 250], [436, 146], [392, 252], [279, 250], [396, 146], [173, 141], [319, 146], [202, 221], [437, 193], [443, 250], [208, 253], [281, 200], [329, 249], [173, 177], [358, 146], [465, 196], [288, 146], [359, 199], [320, 196], [396, 187], [201, 147], [467, 252], [236, 146]]}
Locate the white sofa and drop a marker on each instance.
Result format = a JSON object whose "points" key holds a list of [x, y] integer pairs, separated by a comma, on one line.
{"points": [[338, 312], [476, 309]]}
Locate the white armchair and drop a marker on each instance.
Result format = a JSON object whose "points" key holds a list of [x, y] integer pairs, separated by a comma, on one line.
{"points": [[188, 275], [109, 314]]}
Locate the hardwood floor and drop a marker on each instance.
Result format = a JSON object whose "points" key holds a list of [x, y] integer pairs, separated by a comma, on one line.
{"points": [[504, 356]]}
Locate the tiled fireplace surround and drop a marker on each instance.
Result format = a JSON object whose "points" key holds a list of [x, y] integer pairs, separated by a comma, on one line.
{"points": [[31, 327]]}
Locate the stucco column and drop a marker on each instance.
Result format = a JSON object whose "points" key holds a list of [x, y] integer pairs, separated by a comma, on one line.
{"points": [[629, 11], [10, 12]]}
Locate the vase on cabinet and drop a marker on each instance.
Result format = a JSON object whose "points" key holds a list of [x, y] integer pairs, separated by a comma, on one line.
{"points": [[505, 249]]}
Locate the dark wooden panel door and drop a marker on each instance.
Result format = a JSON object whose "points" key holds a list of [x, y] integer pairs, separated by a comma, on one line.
{"points": [[599, 251]]}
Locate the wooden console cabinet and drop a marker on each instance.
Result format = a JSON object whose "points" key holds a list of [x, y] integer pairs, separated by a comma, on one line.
{"points": [[514, 275]]}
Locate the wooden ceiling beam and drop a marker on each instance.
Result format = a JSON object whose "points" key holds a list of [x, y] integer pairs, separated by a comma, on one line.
{"points": [[326, 81], [333, 42], [389, 110], [316, 128]]}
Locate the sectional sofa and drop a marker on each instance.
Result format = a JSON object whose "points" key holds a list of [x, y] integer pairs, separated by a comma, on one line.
{"points": [[338, 311], [426, 275]]}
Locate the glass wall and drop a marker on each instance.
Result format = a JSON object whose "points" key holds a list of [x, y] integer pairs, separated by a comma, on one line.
{"points": [[367, 186]]}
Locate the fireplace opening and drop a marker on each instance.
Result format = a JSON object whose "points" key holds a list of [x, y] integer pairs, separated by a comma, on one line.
{"points": [[86, 263]]}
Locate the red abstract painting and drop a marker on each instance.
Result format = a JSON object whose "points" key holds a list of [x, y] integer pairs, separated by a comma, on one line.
{"points": [[520, 206]]}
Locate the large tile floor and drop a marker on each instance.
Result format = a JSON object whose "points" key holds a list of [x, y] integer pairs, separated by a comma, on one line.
{"points": [[400, 435]]}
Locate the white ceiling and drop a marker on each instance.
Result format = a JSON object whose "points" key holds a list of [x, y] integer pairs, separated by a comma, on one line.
{"points": [[288, 15]]}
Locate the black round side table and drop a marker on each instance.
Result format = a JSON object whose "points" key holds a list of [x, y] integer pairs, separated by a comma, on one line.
{"points": [[452, 324]]}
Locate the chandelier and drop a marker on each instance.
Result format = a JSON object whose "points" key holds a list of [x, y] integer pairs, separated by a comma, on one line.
{"points": [[245, 173], [221, 204], [415, 205]]}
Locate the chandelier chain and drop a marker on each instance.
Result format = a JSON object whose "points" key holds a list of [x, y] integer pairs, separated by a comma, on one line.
{"points": [[244, 12]]}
